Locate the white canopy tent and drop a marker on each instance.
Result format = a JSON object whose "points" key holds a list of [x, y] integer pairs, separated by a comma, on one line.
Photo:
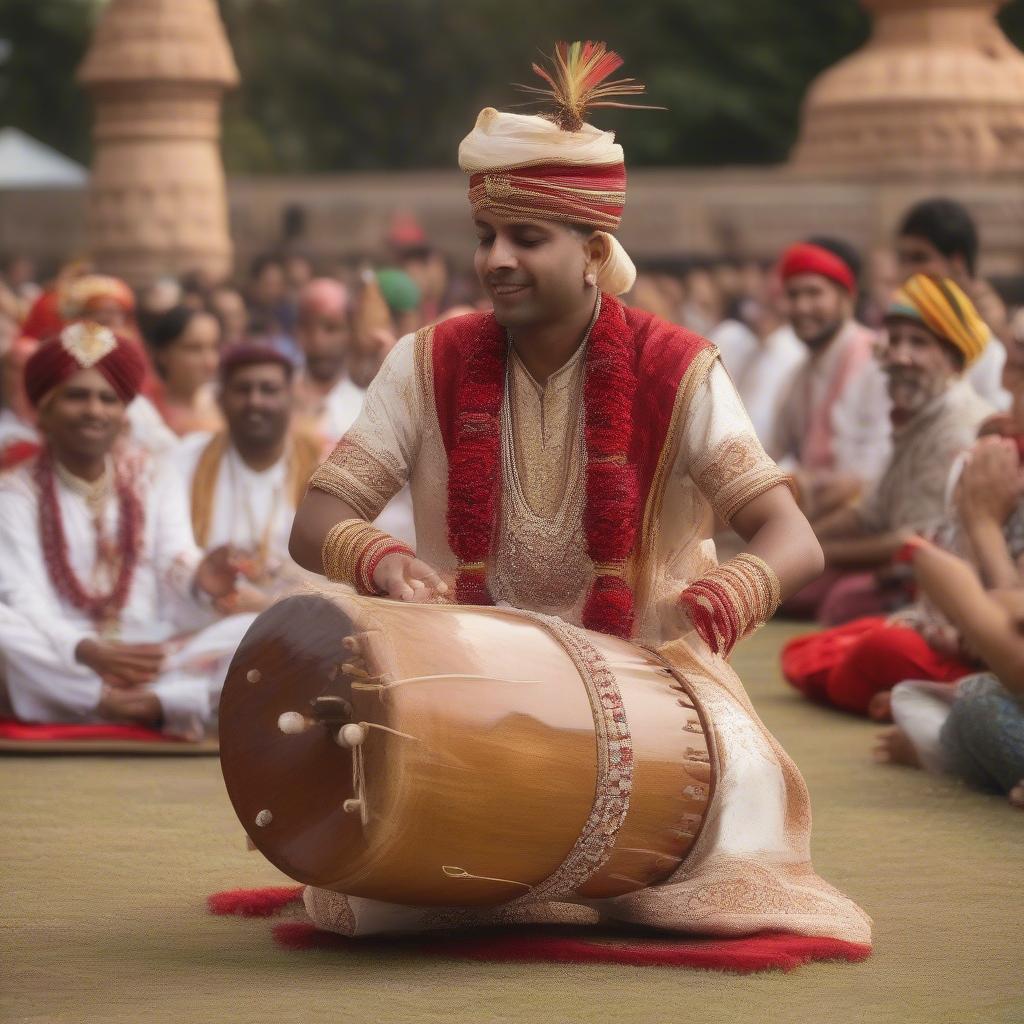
{"points": [[27, 163]]}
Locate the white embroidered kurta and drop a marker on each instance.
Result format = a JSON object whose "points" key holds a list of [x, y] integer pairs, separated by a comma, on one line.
{"points": [[331, 421], [248, 505], [39, 630], [714, 464], [750, 869]]}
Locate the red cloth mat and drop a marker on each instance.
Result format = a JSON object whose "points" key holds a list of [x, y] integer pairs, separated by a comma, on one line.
{"points": [[764, 952], [44, 740], [40, 732]]}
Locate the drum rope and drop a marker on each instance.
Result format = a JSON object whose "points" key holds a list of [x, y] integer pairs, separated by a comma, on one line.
{"points": [[358, 783], [359, 771], [455, 872], [385, 728]]}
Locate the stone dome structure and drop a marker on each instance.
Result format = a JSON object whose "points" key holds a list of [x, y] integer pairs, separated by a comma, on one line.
{"points": [[937, 90]]}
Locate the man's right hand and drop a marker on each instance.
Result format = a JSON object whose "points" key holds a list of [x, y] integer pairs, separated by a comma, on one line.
{"points": [[122, 665], [408, 579]]}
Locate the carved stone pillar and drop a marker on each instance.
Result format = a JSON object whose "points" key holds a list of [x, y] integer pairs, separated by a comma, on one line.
{"points": [[937, 90], [157, 71]]}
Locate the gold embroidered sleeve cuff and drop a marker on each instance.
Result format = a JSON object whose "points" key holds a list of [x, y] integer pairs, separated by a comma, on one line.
{"points": [[358, 477], [735, 472]]}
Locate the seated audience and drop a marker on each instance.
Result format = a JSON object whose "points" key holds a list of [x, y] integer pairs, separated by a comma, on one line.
{"points": [[933, 334], [975, 729], [97, 298], [19, 438], [939, 237], [272, 311], [765, 377], [247, 480], [384, 299], [228, 306], [834, 442], [328, 398], [854, 667], [185, 344], [100, 580]]}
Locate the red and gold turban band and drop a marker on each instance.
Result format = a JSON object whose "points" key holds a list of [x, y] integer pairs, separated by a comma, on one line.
{"points": [[83, 346], [590, 196], [807, 258]]}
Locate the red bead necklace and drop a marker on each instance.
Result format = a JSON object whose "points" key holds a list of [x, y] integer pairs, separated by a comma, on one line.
{"points": [[103, 609]]}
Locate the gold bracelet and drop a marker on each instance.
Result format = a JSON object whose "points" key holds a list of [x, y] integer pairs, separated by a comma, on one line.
{"points": [[341, 549], [352, 550]]}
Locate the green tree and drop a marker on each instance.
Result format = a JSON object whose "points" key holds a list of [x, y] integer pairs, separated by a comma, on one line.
{"points": [[331, 85], [42, 42]]}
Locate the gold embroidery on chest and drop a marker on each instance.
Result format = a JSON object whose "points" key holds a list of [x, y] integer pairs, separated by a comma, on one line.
{"points": [[541, 551]]}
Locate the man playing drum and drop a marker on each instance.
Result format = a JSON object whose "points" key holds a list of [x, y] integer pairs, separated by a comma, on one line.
{"points": [[568, 455]]}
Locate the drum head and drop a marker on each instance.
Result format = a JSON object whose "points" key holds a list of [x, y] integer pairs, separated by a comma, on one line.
{"points": [[288, 789]]}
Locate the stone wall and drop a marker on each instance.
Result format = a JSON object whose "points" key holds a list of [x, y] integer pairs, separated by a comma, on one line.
{"points": [[696, 213]]}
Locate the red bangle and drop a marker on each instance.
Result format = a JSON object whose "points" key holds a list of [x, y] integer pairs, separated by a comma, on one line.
{"points": [[905, 555], [371, 557]]}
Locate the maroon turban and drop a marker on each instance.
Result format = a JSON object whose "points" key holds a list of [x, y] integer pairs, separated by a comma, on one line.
{"points": [[249, 353], [806, 258], [83, 346]]}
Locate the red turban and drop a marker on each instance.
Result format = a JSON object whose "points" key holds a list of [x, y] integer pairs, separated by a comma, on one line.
{"points": [[83, 346], [43, 319], [805, 258]]}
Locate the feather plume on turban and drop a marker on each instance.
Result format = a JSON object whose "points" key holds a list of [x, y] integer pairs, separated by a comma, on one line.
{"points": [[83, 346], [940, 305]]}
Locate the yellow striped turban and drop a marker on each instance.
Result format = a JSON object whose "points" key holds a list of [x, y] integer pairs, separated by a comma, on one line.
{"points": [[940, 304]]}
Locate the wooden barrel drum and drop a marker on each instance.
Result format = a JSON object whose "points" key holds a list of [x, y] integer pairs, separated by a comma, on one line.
{"points": [[457, 756]]}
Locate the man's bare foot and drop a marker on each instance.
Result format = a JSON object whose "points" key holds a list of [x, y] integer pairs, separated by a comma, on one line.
{"points": [[880, 707], [894, 747], [140, 707], [1017, 795]]}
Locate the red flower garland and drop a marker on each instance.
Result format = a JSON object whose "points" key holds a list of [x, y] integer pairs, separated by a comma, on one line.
{"points": [[99, 607], [612, 512]]}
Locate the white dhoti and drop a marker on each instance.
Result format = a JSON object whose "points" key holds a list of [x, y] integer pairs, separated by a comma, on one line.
{"points": [[43, 687]]}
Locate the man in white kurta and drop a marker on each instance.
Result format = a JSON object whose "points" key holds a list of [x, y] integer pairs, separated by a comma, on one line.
{"points": [[245, 482], [831, 428], [64, 533], [750, 868]]}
